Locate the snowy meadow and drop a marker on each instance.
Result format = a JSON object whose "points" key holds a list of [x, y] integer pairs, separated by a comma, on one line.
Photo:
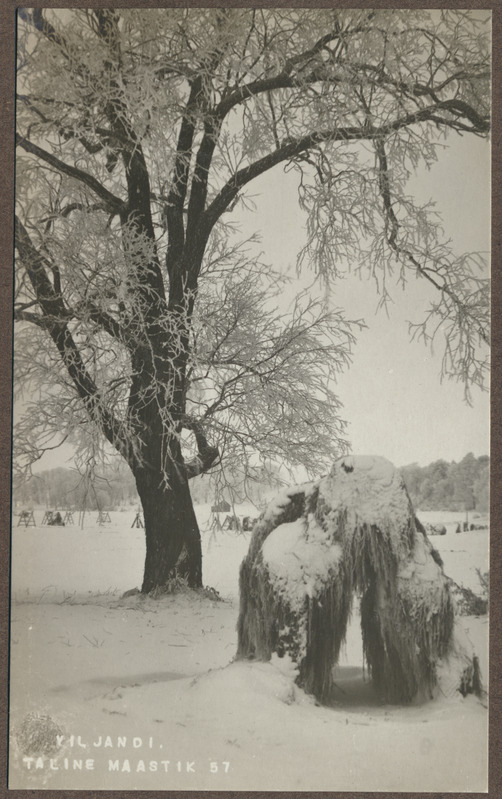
{"points": [[114, 692]]}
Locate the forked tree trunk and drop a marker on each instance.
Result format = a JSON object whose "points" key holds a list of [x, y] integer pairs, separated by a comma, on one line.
{"points": [[173, 546]]}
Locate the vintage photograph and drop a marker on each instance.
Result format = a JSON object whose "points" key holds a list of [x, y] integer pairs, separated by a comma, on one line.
{"points": [[250, 482]]}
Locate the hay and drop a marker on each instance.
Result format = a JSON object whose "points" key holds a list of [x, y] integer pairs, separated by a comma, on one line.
{"points": [[263, 624], [407, 623], [314, 549], [467, 602]]}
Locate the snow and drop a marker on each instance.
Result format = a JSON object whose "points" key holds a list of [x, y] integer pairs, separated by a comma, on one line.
{"points": [[420, 572], [139, 682], [370, 489], [463, 554], [299, 556], [282, 499]]}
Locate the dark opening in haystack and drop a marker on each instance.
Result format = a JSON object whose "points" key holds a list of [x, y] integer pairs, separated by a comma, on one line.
{"points": [[353, 533]]}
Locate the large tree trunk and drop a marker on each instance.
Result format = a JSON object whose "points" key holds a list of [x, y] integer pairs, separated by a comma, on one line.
{"points": [[173, 546]]}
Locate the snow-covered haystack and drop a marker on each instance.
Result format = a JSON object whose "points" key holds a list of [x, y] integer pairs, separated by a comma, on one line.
{"points": [[314, 548]]}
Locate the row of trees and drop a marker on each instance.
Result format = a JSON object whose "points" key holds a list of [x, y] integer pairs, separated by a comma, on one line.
{"points": [[114, 487], [450, 486], [66, 488], [142, 319], [439, 486]]}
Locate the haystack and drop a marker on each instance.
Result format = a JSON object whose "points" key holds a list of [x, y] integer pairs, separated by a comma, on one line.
{"points": [[353, 533]]}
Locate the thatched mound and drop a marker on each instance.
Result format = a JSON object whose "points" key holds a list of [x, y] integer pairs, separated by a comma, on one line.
{"points": [[352, 532]]}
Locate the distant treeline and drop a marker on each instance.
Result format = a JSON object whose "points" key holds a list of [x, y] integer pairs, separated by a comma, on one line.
{"points": [[109, 488], [439, 486], [66, 488], [450, 486]]}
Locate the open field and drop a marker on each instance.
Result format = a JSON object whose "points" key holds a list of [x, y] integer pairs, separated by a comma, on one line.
{"points": [[152, 699]]}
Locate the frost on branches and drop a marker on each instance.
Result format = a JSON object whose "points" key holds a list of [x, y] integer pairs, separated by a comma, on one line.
{"points": [[353, 532], [145, 324]]}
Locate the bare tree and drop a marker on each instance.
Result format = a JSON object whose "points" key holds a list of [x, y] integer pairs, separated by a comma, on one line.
{"points": [[140, 132]]}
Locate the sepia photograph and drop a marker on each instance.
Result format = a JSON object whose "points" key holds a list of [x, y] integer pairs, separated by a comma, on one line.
{"points": [[250, 511]]}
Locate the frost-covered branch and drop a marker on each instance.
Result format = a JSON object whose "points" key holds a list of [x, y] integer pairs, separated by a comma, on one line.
{"points": [[113, 204], [462, 310], [206, 454], [54, 320], [291, 149]]}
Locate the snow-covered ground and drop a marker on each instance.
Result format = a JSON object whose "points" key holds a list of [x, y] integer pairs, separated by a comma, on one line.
{"points": [[142, 694]]}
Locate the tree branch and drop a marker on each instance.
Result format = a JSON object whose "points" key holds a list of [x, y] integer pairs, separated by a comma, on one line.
{"points": [[198, 100], [37, 19], [207, 454], [173, 208], [198, 197], [105, 321], [113, 204], [35, 319], [137, 213], [54, 321], [418, 89], [392, 231], [292, 148], [285, 79]]}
